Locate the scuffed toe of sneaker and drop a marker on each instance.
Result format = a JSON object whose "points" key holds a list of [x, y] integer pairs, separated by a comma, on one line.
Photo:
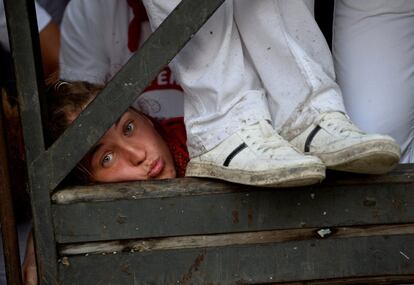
{"points": [[258, 156], [342, 146], [375, 154], [288, 175]]}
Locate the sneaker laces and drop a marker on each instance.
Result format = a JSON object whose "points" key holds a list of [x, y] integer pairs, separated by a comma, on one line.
{"points": [[339, 123]]}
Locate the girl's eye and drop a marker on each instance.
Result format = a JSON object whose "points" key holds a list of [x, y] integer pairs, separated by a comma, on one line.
{"points": [[129, 128], [107, 159]]}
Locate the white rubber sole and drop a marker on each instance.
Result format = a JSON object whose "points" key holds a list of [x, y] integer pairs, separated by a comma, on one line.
{"points": [[287, 177], [371, 157]]}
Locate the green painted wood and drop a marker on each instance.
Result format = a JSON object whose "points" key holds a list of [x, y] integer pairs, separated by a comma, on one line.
{"points": [[403, 174], [23, 34], [201, 206], [364, 257], [24, 46], [228, 239]]}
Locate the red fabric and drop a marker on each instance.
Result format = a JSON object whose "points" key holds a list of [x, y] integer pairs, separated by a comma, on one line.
{"points": [[164, 81], [173, 132], [134, 28]]}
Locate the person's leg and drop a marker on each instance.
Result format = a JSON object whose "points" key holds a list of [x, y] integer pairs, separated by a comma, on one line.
{"points": [[374, 60], [295, 65], [220, 84], [292, 59], [226, 108]]}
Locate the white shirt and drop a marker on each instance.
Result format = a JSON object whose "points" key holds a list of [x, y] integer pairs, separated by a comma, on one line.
{"points": [[94, 47]]}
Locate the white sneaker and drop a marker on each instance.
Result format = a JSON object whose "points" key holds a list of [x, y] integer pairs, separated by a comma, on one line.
{"points": [[342, 146], [257, 155]]}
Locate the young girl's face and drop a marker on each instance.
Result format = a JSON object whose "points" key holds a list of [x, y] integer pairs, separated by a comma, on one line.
{"points": [[131, 150]]}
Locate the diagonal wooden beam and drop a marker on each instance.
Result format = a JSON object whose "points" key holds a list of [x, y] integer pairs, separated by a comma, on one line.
{"points": [[125, 87]]}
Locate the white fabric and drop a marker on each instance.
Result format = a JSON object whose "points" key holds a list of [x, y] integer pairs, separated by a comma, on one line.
{"points": [[94, 46], [374, 60], [55, 8], [253, 60], [43, 19]]}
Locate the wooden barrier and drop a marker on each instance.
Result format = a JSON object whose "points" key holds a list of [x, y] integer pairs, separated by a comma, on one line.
{"points": [[351, 229], [48, 167], [348, 230]]}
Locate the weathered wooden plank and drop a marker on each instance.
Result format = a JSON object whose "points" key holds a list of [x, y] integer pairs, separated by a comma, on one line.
{"points": [[294, 261], [23, 33], [404, 173], [247, 209], [248, 238], [24, 44]]}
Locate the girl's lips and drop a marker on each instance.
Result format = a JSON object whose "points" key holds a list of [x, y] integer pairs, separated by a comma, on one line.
{"points": [[156, 168]]}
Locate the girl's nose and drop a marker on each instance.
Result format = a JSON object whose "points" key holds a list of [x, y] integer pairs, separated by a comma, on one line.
{"points": [[135, 155]]}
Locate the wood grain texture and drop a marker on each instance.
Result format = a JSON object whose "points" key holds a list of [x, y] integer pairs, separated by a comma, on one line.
{"points": [[21, 21], [403, 174], [248, 238], [292, 261], [210, 211]]}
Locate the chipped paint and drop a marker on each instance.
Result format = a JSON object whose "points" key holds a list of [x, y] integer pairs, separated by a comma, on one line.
{"points": [[324, 232]]}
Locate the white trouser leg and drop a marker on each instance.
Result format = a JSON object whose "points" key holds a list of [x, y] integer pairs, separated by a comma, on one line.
{"points": [[292, 59], [374, 61], [223, 92]]}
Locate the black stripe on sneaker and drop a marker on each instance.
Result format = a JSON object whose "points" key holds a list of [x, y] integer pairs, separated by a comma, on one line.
{"points": [[310, 137], [234, 153]]}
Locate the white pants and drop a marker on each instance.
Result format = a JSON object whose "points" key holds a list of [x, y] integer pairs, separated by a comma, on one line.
{"points": [[253, 60], [374, 60]]}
